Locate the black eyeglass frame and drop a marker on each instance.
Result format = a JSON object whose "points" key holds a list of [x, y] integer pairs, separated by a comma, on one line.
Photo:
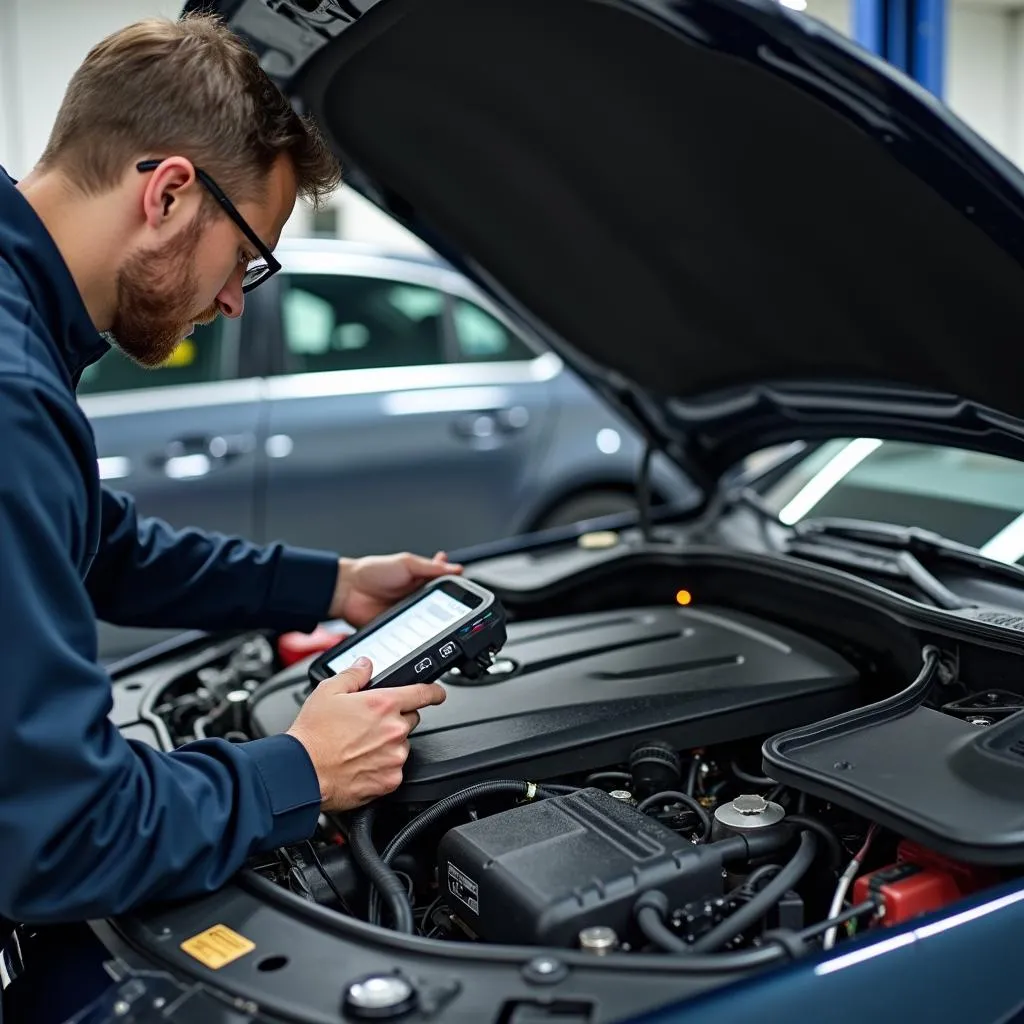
{"points": [[272, 266]]}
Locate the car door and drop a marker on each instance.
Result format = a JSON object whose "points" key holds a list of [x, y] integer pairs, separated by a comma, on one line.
{"points": [[378, 438], [182, 439]]}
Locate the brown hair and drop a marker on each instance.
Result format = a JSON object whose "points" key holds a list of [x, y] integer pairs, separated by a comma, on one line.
{"points": [[189, 88]]}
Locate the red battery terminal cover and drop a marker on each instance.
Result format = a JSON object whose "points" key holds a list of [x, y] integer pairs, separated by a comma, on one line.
{"points": [[295, 647], [920, 881]]}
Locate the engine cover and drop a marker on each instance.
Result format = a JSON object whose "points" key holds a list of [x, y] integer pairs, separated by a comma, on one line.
{"points": [[578, 692]]}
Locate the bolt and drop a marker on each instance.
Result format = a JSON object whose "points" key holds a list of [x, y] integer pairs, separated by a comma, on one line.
{"points": [[979, 720], [121, 1008], [545, 966], [598, 940], [159, 1003], [842, 766]]}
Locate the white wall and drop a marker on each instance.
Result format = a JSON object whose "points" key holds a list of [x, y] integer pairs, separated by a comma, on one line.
{"points": [[979, 87], [41, 44], [836, 13], [9, 117]]}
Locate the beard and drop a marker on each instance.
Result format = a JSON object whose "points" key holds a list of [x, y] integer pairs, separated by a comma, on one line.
{"points": [[156, 296]]}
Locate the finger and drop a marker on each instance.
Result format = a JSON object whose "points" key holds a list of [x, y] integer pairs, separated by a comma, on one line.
{"points": [[412, 719], [354, 678], [426, 568], [419, 695]]}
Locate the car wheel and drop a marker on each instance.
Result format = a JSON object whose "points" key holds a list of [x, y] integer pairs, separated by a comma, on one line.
{"points": [[590, 505]]}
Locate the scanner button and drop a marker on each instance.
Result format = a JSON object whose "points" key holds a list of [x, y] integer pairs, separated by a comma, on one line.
{"points": [[447, 651], [423, 665]]}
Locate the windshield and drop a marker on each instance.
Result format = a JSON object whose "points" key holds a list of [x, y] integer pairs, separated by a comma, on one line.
{"points": [[972, 498]]}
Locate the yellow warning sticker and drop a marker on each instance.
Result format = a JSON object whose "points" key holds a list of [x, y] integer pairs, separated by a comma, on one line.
{"points": [[217, 946]]}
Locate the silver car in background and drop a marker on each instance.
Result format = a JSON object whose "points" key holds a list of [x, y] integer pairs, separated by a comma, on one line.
{"points": [[366, 401]]}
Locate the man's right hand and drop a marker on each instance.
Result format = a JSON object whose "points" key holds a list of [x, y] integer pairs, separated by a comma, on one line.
{"points": [[358, 740]]}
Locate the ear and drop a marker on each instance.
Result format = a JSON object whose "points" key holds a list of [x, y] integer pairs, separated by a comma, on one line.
{"points": [[171, 193]]}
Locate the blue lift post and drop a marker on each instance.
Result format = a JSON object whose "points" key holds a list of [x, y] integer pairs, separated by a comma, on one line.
{"points": [[908, 33]]}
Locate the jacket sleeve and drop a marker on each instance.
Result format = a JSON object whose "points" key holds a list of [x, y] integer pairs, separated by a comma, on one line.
{"points": [[147, 574], [91, 824]]}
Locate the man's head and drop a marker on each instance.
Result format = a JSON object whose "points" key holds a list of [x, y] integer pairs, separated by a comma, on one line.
{"points": [[176, 130]]}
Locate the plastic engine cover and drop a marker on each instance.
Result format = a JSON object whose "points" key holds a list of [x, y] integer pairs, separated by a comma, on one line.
{"points": [[540, 873], [573, 693]]}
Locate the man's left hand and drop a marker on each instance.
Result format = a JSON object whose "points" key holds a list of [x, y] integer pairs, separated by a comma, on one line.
{"points": [[369, 586]]}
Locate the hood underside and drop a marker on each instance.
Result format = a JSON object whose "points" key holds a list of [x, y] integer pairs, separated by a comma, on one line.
{"points": [[720, 210]]}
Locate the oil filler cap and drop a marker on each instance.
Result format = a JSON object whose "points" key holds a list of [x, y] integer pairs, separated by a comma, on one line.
{"points": [[379, 997]]}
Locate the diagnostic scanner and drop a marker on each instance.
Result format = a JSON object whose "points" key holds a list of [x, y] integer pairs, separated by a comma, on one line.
{"points": [[451, 623]]}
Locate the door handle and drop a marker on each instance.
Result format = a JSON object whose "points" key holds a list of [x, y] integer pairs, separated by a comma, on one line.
{"points": [[491, 423], [197, 455]]}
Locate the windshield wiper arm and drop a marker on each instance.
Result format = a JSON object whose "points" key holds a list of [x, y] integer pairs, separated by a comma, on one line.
{"points": [[922, 544], [860, 559]]}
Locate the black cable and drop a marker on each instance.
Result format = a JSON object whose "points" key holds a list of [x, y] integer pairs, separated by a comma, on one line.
{"points": [[327, 878], [755, 877], [691, 778], [428, 913], [553, 789], [761, 781], [643, 494], [295, 872], [831, 840], [655, 931], [650, 912], [352, 928], [687, 800], [410, 889], [593, 780], [849, 914], [382, 879], [763, 901], [435, 813]]}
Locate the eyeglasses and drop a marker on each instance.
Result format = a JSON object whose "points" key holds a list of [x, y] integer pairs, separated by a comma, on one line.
{"points": [[258, 270]]}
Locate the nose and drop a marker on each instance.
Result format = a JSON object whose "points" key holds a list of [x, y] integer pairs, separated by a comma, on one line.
{"points": [[230, 299]]}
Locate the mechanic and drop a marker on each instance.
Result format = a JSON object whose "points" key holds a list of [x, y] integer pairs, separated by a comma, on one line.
{"points": [[171, 169]]}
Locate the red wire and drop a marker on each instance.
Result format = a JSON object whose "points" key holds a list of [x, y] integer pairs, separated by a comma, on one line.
{"points": [[863, 852]]}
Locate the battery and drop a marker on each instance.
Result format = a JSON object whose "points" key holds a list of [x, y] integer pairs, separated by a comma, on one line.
{"points": [[920, 881]]}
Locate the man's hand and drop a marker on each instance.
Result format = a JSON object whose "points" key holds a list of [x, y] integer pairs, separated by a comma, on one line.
{"points": [[359, 741], [367, 587]]}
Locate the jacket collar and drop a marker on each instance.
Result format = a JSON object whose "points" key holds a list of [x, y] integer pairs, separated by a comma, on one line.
{"points": [[32, 254]]}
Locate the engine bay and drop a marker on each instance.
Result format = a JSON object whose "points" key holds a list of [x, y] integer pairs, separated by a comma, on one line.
{"points": [[624, 781]]}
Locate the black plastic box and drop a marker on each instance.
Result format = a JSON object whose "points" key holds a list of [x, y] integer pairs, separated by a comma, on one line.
{"points": [[540, 873]]}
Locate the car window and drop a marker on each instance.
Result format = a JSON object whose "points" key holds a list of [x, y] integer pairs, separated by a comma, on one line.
{"points": [[198, 358], [968, 496], [336, 322], [482, 337]]}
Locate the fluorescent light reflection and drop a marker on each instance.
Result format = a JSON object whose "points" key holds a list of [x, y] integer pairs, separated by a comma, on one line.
{"points": [[839, 466], [926, 931]]}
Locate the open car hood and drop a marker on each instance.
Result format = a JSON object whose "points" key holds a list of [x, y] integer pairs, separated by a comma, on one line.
{"points": [[738, 226]]}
